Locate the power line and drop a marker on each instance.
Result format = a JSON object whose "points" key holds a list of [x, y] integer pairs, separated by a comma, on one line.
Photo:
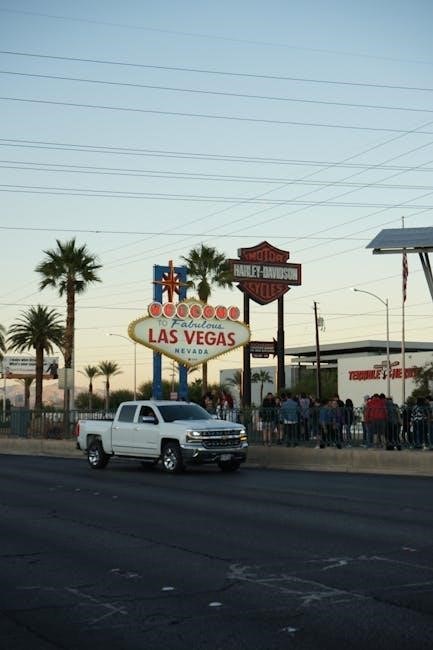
{"points": [[71, 191], [182, 155], [104, 231], [149, 173], [209, 116], [207, 71], [217, 93]]}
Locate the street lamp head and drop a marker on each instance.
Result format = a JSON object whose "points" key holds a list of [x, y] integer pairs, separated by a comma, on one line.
{"points": [[119, 335]]}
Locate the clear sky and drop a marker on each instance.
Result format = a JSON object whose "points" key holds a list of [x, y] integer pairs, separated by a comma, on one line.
{"points": [[147, 128]]}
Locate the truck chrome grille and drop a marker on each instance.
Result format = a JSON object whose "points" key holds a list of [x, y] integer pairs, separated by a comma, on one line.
{"points": [[221, 439]]}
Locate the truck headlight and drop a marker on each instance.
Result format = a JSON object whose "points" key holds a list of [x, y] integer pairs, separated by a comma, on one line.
{"points": [[193, 436]]}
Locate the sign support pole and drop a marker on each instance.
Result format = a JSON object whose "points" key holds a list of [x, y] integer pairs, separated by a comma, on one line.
{"points": [[246, 377], [281, 371]]}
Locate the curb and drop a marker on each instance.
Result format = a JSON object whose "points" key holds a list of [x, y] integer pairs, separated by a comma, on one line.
{"points": [[355, 460]]}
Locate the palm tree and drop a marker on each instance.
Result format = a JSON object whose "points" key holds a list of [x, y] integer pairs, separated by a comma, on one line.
{"points": [[91, 372], [69, 269], [2, 340], [262, 377], [206, 267], [38, 328], [108, 369], [26, 382], [236, 382]]}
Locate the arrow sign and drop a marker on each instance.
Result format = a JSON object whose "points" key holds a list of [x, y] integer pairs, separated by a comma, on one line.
{"points": [[262, 349]]}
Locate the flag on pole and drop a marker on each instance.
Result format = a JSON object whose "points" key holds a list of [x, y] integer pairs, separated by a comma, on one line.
{"points": [[405, 274]]}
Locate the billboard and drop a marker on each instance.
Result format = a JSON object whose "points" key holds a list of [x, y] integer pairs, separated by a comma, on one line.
{"points": [[190, 332], [25, 367]]}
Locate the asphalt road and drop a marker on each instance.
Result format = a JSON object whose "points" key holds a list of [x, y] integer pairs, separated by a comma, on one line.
{"points": [[131, 558]]}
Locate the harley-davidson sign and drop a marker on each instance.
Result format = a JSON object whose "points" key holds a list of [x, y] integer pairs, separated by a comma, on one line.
{"points": [[263, 272], [191, 333]]}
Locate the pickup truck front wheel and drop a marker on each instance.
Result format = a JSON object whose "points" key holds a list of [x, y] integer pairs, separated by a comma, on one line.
{"points": [[172, 458], [96, 455]]}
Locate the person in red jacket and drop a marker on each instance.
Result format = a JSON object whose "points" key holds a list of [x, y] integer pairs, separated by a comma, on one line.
{"points": [[376, 417]]}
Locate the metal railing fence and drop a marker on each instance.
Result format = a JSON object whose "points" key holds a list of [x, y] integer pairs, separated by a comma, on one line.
{"points": [[320, 426]]}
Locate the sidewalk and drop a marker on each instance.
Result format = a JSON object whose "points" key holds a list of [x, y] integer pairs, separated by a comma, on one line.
{"points": [[355, 460]]}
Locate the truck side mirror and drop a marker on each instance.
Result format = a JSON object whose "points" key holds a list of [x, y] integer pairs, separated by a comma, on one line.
{"points": [[149, 419]]}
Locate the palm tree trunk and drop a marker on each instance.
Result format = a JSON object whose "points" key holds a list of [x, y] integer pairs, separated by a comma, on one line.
{"points": [[39, 371], [27, 383], [69, 333], [204, 378], [107, 395], [90, 395]]}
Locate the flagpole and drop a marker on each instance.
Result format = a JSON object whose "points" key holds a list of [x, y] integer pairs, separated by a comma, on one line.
{"points": [[403, 333]]}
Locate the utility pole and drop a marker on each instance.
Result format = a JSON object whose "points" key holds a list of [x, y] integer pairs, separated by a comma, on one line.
{"points": [[318, 377]]}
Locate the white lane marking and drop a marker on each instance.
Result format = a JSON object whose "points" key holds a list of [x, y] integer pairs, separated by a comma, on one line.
{"points": [[111, 608], [307, 591]]}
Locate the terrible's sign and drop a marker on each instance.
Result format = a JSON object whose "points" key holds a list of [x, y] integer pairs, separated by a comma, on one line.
{"points": [[190, 332], [263, 272]]}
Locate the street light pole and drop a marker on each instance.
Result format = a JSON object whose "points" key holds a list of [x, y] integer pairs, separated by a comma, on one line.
{"points": [[135, 359], [388, 365]]}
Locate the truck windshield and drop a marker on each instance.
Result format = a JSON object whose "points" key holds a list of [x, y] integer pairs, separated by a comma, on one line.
{"points": [[183, 411]]}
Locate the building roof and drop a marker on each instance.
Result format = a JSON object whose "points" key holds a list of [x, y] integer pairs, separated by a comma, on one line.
{"points": [[331, 352]]}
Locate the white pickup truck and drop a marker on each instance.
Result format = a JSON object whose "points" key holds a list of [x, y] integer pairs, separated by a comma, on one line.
{"points": [[177, 433]]}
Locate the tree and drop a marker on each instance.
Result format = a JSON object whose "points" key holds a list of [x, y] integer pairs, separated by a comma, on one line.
{"points": [[91, 372], [207, 268], [39, 328], [2, 340], [236, 382], [26, 382], [423, 381], [82, 400], [261, 377], [145, 390], [108, 369], [69, 269], [308, 382]]}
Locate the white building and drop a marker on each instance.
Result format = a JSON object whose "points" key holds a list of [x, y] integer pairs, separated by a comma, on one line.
{"points": [[360, 365]]}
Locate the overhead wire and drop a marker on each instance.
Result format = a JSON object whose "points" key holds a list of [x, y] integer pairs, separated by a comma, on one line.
{"points": [[207, 71], [158, 153], [211, 116], [201, 91], [421, 131]]}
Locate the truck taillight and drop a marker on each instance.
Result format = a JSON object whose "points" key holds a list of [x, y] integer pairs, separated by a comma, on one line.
{"points": [[77, 429]]}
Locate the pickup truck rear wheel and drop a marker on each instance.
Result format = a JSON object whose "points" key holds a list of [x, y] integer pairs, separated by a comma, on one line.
{"points": [[172, 458], [96, 455]]}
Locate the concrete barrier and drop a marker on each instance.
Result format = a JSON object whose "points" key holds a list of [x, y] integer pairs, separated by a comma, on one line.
{"points": [[354, 460], [40, 447]]}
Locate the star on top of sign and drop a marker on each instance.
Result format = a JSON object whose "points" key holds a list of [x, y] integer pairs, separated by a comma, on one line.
{"points": [[170, 282]]}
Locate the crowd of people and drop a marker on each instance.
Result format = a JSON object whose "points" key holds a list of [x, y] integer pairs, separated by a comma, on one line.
{"points": [[381, 423], [290, 420]]}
